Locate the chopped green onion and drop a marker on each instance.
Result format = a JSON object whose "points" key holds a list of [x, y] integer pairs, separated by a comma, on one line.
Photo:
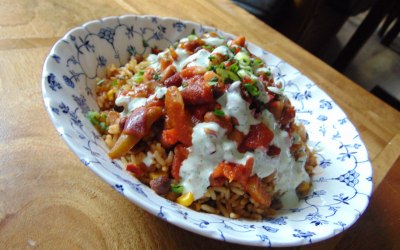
{"points": [[177, 188], [253, 90], [103, 126], [257, 61], [208, 47], [138, 77], [100, 82], [219, 112], [156, 77], [242, 73], [213, 81], [226, 74], [211, 68], [234, 67], [243, 58], [114, 82]]}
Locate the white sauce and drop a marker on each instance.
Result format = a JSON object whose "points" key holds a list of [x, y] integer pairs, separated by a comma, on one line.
{"points": [[223, 50], [213, 41], [235, 106], [200, 58]]}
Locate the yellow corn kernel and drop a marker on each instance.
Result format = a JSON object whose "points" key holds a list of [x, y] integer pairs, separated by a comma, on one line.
{"points": [[186, 199], [110, 94]]}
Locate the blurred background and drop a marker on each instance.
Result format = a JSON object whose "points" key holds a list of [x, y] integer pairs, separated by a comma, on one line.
{"points": [[357, 37]]}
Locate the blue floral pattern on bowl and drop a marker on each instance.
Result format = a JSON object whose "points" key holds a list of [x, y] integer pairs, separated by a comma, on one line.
{"points": [[342, 183]]}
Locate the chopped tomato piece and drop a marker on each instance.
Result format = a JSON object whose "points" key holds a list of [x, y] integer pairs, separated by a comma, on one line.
{"points": [[257, 192], [197, 91], [240, 41], [223, 121], [177, 117], [180, 154], [137, 170], [258, 136], [189, 72], [233, 172]]}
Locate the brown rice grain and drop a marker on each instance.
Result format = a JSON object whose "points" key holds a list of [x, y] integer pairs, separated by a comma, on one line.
{"points": [[208, 208], [234, 216], [237, 191]]}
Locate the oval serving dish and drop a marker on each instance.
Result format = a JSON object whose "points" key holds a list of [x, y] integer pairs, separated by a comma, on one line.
{"points": [[342, 183]]}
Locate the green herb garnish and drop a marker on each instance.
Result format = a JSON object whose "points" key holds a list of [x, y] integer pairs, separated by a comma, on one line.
{"points": [[114, 82], [219, 112], [213, 81], [253, 90], [138, 77], [156, 77], [177, 188], [234, 67]]}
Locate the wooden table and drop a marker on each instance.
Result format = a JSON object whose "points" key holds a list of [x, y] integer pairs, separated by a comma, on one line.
{"points": [[49, 200]]}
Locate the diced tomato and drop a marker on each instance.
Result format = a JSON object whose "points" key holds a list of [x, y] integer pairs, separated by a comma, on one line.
{"points": [[257, 192], [192, 45], [180, 154], [223, 121], [137, 170], [233, 172], [288, 115], [177, 117], [174, 80], [259, 136], [155, 50], [189, 72], [197, 91], [198, 111], [236, 136], [276, 108], [169, 137], [240, 41]]}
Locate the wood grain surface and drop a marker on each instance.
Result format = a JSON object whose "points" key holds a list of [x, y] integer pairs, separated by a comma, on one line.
{"points": [[49, 200]]}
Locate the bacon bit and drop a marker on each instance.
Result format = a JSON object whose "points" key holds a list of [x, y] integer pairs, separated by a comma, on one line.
{"points": [[273, 150]]}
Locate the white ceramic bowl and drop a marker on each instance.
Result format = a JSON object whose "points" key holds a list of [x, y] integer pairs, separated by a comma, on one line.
{"points": [[343, 179]]}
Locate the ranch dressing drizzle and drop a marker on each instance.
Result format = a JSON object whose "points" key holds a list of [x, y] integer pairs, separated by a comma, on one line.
{"points": [[235, 106], [213, 41]]}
